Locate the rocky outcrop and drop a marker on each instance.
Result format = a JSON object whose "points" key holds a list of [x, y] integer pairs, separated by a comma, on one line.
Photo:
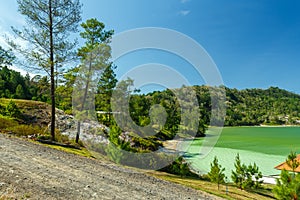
{"points": [[89, 130]]}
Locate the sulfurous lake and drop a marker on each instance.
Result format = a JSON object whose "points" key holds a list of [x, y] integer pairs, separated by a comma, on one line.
{"points": [[266, 146]]}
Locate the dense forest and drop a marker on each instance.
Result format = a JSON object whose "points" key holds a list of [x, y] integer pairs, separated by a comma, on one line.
{"points": [[272, 106]]}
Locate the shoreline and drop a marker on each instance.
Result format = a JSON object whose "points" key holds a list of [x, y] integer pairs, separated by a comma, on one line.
{"points": [[262, 125]]}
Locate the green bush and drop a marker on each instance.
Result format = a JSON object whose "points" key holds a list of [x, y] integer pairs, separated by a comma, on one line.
{"points": [[6, 122], [287, 186], [216, 174], [12, 110], [179, 167], [243, 175], [25, 130]]}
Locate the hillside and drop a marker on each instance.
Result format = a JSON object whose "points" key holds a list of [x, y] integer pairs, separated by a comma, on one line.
{"points": [[32, 171], [272, 106], [249, 107]]}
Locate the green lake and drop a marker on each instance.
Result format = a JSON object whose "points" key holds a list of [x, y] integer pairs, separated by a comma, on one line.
{"points": [[266, 146]]}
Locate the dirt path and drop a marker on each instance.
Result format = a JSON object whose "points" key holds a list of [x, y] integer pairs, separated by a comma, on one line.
{"points": [[32, 171]]}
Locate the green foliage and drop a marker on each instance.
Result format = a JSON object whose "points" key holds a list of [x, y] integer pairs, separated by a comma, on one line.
{"points": [[272, 106], [13, 85], [95, 55], [20, 94], [25, 130], [94, 33], [238, 176], [114, 134], [114, 153], [252, 171], [6, 57], [179, 167], [105, 87], [292, 161], [216, 174], [65, 90], [243, 175], [287, 186], [6, 122], [49, 24], [149, 143], [12, 110]]}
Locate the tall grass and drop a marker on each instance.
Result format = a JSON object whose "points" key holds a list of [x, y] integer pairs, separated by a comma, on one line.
{"points": [[25, 130], [6, 122]]}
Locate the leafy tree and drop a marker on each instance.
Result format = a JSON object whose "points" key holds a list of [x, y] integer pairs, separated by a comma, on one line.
{"points": [[20, 94], [243, 175], [65, 90], [287, 186], [105, 88], [94, 55], [179, 167], [13, 84], [216, 174], [12, 109], [292, 161], [50, 22], [238, 176], [258, 106], [252, 171], [41, 88]]}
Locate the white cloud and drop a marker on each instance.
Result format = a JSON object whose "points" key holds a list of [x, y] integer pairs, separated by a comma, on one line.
{"points": [[184, 12], [8, 34], [22, 71]]}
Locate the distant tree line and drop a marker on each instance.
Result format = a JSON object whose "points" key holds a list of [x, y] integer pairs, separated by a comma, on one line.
{"points": [[273, 106]]}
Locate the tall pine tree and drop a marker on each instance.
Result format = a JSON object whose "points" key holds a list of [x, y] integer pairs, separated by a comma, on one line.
{"points": [[95, 56], [49, 23]]}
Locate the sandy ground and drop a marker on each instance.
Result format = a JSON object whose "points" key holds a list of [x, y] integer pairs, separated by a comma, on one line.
{"points": [[32, 171]]}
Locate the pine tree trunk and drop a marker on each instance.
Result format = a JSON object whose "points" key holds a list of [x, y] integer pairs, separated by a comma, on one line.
{"points": [[78, 132], [52, 73], [84, 100]]}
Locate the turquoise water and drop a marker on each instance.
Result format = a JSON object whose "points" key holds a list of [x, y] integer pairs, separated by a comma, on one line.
{"points": [[266, 146]]}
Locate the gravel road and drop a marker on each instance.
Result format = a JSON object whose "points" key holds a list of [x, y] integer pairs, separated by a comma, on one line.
{"points": [[32, 171]]}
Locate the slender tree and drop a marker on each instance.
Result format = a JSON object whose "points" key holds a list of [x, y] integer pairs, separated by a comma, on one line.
{"points": [[239, 175], [49, 23], [292, 161], [287, 186], [216, 174], [94, 55]]}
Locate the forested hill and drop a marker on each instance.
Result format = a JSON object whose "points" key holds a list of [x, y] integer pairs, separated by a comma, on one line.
{"points": [[257, 106], [250, 107], [272, 106]]}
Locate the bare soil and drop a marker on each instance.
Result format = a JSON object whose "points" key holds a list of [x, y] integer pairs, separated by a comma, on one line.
{"points": [[33, 171]]}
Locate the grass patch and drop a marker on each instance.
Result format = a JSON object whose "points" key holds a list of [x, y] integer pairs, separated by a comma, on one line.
{"points": [[24, 103], [6, 122], [212, 188], [25, 130], [82, 151]]}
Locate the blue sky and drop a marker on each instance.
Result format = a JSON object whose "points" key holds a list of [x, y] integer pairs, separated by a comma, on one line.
{"points": [[254, 43]]}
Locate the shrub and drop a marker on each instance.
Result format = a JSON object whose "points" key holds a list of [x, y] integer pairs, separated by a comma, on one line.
{"points": [[6, 122], [216, 174], [288, 186], [179, 167], [25, 130], [243, 175], [12, 110]]}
